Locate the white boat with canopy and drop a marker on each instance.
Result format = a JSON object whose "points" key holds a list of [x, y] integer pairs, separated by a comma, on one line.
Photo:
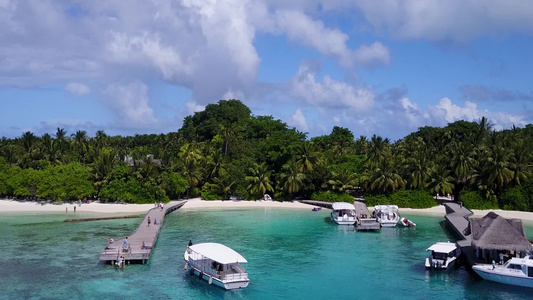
{"points": [[387, 215], [442, 255], [343, 213], [217, 264], [516, 271]]}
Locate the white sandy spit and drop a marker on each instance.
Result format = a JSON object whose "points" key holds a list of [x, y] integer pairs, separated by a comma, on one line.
{"points": [[11, 206]]}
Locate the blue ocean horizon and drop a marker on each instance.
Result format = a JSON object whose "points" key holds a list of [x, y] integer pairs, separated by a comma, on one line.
{"points": [[292, 254]]}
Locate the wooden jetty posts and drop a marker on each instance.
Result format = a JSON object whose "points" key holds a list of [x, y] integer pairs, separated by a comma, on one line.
{"points": [[365, 222], [147, 233]]}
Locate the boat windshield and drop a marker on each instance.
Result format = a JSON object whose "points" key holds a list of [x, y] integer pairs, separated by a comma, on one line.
{"points": [[439, 255]]}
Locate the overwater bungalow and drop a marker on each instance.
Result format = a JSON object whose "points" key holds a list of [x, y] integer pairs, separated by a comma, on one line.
{"points": [[493, 234]]}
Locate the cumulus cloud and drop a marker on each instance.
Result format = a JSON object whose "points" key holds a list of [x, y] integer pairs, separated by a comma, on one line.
{"points": [[453, 19], [450, 112], [298, 121], [78, 89], [330, 93], [332, 42], [193, 107], [130, 103]]}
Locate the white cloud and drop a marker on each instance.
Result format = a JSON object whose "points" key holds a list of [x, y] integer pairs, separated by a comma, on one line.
{"points": [[449, 112], [130, 103], [330, 42], [193, 107], [451, 19], [298, 120], [78, 89], [330, 93]]}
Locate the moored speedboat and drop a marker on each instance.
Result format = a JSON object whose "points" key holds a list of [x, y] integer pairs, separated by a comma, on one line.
{"points": [[407, 223], [217, 264], [516, 271], [343, 213], [387, 215], [442, 255], [318, 208]]}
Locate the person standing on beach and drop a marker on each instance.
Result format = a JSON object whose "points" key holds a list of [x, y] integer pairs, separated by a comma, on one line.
{"points": [[74, 208]]}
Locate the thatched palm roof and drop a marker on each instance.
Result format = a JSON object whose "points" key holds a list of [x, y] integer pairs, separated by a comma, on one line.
{"points": [[495, 232]]}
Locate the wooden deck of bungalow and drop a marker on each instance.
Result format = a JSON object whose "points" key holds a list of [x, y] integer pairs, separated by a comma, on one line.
{"points": [[133, 251]]}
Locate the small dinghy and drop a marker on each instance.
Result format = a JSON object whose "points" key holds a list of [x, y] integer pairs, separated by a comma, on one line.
{"points": [[407, 223], [317, 208]]}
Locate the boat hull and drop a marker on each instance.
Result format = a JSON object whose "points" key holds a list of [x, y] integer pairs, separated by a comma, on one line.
{"points": [[229, 285], [388, 224], [342, 222], [443, 266], [486, 273]]}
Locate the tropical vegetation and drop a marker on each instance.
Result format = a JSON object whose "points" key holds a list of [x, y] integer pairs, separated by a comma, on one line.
{"points": [[225, 151]]}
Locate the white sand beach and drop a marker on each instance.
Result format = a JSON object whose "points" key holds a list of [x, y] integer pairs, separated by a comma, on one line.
{"points": [[12, 206]]}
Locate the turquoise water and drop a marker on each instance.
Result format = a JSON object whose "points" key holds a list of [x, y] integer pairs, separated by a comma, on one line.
{"points": [[291, 254]]}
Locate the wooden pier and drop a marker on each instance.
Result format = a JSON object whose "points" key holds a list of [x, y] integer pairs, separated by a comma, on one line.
{"points": [[133, 250], [365, 221], [457, 216]]}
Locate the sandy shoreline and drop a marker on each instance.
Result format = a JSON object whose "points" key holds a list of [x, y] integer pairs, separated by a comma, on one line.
{"points": [[11, 206]]}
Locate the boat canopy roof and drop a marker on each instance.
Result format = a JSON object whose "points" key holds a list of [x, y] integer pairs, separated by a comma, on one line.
{"points": [[386, 207], [442, 247], [342, 205], [218, 253]]}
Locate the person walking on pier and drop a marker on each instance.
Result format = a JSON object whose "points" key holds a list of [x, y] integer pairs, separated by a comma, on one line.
{"points": [[149, 221]]}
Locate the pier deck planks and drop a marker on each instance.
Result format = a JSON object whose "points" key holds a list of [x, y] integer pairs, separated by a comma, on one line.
{"points": [[145, 233]]}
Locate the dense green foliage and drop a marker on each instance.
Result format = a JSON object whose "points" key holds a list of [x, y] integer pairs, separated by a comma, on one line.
{"points": [[403, 198], [226, 151], [476, 200], [329, 196]]}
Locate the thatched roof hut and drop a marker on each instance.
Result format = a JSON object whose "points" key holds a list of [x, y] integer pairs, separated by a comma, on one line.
{"points": [[497, 233]]}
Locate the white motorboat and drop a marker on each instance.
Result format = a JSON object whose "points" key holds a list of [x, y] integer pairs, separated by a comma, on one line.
{"points": [[406, 222], [442, 255], [343, 213], [516, 271], [217, 264], [387, 215]]}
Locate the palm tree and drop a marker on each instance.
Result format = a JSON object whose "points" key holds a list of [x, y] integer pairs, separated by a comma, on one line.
{"points": [[292, 178], [259, 180], [28, 141], [307, 157], [49, 149], [361, 145], [420, 167], [496, 169], [101, 139], [226, 132], [80, 144], [377, 150], [520, 164], [102, 167], [343, 180], [441, 181], [223, 184], [385, 178]]}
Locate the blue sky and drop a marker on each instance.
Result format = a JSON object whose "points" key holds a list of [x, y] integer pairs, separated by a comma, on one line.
{"points": [[376, 67]]}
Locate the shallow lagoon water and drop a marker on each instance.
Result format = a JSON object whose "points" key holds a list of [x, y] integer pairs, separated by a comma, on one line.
{"points": [[292, 254]]}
